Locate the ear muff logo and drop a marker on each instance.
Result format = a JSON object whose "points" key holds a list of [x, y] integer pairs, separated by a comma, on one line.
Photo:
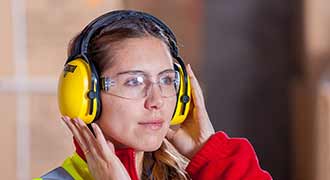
{"points": [[69, 68]]}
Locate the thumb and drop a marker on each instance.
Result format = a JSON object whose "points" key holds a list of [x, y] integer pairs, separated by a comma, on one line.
{"points": [[111, 146], [170, 134]]}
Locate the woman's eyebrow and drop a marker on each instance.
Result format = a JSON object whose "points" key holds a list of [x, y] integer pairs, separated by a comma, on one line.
{"points": [[131, 72], [143, 72], [166, 71]]}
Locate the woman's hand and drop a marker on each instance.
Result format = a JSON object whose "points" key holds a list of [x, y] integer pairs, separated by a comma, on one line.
{"points": [[197, 128], [102, 161]]}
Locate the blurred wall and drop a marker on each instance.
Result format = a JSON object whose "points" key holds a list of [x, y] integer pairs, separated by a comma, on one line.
{"points": [[8, 128], [248, 70]]}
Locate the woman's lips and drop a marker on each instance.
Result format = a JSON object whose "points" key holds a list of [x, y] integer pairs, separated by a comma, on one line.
{"points": [[153, 124]]}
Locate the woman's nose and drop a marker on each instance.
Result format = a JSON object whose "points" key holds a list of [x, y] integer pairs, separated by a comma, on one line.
{"points": [[154, 98]]}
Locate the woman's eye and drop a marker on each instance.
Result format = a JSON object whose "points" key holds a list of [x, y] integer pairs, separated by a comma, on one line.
{"points": [[168, 80], [137, 81]]}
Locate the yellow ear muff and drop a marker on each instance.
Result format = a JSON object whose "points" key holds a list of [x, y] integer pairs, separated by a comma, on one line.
{"points": [[77, 91], [181, 110]]}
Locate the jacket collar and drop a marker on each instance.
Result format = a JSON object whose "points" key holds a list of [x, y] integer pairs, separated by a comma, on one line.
{"points": [[126, 156]]}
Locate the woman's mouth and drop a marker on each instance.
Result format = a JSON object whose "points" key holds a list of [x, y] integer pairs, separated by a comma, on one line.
{"points": [[152, 124]]}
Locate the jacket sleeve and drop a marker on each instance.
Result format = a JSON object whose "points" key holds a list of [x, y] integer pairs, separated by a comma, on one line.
{"points": [[226, 159]]}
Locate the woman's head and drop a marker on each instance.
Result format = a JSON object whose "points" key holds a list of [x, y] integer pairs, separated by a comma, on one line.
{"points": [[127, 52], [134, 48]]}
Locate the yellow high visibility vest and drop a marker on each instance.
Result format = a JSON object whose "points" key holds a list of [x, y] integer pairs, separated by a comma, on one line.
{"points": [[73, 168]]}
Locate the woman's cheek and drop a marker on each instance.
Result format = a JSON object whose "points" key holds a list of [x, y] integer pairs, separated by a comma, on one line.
{"points": [[171, 107]]}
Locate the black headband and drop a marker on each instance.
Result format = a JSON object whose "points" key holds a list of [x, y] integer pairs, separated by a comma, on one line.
{"points": [[81, 46]]}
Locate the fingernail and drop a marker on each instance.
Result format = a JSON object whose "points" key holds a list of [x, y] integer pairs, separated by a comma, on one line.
{"points": [[64, 118], [75, 120], [191, 71], [93, 126], [190, 68], [81, 122]]}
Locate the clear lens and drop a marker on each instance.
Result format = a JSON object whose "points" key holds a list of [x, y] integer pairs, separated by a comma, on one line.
{"points": [[169, 84], [136, 86]]}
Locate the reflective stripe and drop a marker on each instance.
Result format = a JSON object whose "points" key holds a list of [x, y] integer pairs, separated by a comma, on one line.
{"points": [[77, 168], [73, 168], [57, 174]]}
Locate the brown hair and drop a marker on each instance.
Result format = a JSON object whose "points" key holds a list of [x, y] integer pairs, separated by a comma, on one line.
{"points": [[166, 162]]}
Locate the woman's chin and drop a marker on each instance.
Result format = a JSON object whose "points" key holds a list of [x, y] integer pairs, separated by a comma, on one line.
{"points": [[150, 146]]}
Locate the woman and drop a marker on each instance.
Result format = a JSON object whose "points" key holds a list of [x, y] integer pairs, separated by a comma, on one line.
{"points": [[131, 138]]}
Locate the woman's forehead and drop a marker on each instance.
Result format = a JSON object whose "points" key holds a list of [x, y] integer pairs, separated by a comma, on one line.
{"points": [[150, 55]]}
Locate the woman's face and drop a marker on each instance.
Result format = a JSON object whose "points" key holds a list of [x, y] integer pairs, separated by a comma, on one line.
{"points": [[140, 123]]}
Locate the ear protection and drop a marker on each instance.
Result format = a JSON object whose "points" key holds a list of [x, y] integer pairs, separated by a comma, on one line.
{"points": [[79, 83]]}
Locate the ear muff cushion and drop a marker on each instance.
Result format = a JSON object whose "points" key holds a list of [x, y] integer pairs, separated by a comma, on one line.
{"points": [[180, 113], [74, 90]]}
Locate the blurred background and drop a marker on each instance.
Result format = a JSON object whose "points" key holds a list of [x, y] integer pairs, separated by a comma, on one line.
{"points": [[264, 67]]}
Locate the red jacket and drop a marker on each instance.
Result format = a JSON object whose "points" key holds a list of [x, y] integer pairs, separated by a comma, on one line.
{"points": [[221, 158], [226, 158]]}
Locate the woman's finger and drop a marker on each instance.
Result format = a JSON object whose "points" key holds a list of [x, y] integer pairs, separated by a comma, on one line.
{"points": [[111, 146], [75, 132], [199, 104], [170, 134], [92, 146], [104, 144], [196, 89]]}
